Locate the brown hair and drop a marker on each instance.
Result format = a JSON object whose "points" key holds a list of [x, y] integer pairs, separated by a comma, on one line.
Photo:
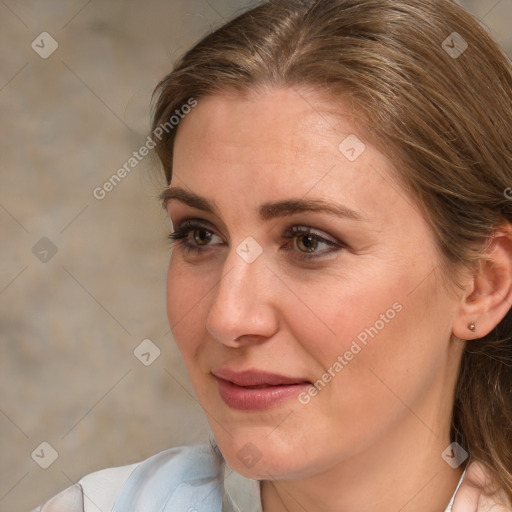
{"points": [[440, 110]]}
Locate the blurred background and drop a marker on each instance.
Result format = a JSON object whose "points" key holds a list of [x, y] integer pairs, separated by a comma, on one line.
{"points": [[89, 374]]}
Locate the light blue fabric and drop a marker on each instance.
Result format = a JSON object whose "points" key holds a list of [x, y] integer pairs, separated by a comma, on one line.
{"points": [[184, 479]]}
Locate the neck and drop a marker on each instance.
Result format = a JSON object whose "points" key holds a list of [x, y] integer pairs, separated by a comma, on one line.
{"points": [[400, 473]]}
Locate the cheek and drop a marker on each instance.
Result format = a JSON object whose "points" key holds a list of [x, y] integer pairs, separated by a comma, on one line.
{"points": [[392, 344], [365, 330], [185, 294], [343, 315]]}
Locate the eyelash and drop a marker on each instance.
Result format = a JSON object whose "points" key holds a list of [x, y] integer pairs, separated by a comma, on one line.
{"points": [[179, 237]]}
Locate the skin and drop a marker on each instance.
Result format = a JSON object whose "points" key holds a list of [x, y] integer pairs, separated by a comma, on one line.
{"points": [[372, 439], [479, 493]]}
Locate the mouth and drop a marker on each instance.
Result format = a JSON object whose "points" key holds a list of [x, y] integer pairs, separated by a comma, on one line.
{"points": [[256, 390]]}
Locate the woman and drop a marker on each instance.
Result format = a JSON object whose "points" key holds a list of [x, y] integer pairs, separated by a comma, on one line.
{"points": [[340, 286]]}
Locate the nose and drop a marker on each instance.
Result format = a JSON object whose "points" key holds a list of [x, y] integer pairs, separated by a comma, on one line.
{"points": [[243, 308]]}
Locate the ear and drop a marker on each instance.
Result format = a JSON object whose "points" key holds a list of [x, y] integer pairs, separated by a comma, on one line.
{"points": [[488, 296]]}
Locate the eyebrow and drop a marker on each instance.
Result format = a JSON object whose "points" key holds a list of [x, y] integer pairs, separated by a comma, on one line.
{"points": [[267, 211]]}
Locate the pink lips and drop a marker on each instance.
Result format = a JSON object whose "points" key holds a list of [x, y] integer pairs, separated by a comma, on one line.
{"points": [[256, 390]]}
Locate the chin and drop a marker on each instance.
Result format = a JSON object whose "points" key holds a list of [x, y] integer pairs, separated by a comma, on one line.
{"points": [[260, 459]]}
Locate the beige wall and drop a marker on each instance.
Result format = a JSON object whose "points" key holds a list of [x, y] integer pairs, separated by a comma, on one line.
{"points": [[69, 326]]}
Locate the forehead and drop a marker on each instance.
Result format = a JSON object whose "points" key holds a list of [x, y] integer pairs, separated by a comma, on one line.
{"points": [[249, 150], [271, 134], [278, 119]]}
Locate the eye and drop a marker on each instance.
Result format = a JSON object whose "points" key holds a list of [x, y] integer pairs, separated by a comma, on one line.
{"points": [[305, 247], [307, 242], [201, 236]]}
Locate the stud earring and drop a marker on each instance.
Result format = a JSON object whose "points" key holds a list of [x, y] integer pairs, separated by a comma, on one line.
{"points": [[472, 327]]}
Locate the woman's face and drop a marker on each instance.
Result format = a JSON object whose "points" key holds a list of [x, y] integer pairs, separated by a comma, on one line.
{"points": [[347, 305]]}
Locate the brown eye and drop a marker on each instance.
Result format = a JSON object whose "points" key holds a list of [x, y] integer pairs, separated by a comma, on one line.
{"points": [[201, 236], [200, 240], [308, 242]]}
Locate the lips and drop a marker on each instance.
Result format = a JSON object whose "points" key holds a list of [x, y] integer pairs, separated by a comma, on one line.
{"points": [[255, 378], [256, 390]]}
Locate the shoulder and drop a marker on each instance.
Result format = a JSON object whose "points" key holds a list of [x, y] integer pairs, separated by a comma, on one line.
{"points": [[99, 491], [94, 492]]}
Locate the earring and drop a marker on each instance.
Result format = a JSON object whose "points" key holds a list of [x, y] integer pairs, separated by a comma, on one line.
{"points": [[472, 327]]}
